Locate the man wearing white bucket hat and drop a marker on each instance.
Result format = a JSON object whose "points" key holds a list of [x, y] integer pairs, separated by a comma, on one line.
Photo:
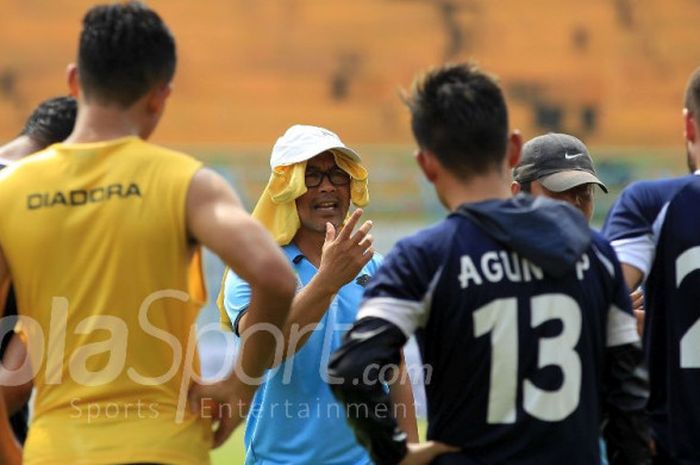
{"points": [[294, 417]]}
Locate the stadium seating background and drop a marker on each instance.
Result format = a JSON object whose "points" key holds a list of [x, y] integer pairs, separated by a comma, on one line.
{"points": [[610, 71]]}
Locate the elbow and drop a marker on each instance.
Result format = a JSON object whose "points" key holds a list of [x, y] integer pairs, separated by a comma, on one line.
{"points": [[340, 382], [345, 375]]}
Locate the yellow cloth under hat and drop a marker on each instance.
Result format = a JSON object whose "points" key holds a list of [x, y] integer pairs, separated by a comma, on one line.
{"points": [[277, 209]]}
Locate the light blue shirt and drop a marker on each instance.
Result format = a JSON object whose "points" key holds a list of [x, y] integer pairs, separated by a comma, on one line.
{"points": [[294, 418]]}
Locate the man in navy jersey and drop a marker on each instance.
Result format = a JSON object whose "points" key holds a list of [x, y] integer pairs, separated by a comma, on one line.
{"points": [[52, 121], [520, 309], [654, 229]]}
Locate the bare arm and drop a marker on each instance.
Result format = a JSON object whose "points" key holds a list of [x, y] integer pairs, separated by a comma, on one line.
{"points": [[401, 395], [12, 378], [633, 276], [216, 220], [10, 451], [343, 257]]}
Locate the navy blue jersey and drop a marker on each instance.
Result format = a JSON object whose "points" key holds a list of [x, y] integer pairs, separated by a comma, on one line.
{"points": [[673, 326], [513, 332], [634, 220], [634, 225]]}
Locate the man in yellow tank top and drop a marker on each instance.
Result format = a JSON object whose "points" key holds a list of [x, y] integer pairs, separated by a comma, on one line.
{"points": [[101, 238]]}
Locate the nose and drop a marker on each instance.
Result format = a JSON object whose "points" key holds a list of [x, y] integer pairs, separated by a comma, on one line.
{"points": [[326, 184]]}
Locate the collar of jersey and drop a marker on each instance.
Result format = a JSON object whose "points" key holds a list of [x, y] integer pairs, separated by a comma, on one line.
{"points": [[102, 143], [293, 253]]}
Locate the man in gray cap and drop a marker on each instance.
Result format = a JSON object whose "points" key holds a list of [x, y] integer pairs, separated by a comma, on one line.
{"points": [[558, 166]]}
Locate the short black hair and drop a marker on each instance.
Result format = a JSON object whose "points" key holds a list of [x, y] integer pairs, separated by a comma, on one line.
{"points": [[125, 50], [459, 114], [52, 121], [692, 93]]}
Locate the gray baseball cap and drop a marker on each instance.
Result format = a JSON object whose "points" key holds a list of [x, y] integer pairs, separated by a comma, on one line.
{"points": [[557, 161]]}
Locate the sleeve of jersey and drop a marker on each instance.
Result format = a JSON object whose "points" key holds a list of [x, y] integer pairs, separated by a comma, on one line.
{"points": [[629, 226], [236, 299], [626, 391], [354, 373], [621, 323], [400, 291], [395, 305]]}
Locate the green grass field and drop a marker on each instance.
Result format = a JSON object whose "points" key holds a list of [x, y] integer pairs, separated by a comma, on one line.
{"points": [[233, 452]]}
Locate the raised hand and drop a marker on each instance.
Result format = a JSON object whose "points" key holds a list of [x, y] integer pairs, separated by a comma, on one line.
{"points": [[344, 254]]}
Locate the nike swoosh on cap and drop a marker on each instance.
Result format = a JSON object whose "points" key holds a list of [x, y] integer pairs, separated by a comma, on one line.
{"points": [[570, 157]]}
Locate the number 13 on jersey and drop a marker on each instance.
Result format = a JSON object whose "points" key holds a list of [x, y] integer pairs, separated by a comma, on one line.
{"points": [[499, 318]]}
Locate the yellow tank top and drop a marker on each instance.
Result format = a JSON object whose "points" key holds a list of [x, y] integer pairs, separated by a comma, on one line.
{"points": [[108, 290]]}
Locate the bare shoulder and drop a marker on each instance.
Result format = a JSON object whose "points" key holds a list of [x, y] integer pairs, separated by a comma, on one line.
{"points": [[209, 186]]}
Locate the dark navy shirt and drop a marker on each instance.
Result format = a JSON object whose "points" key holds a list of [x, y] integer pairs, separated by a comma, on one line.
{"points": [[634, 220], [634, 226], [514, 355], [673, 295]]}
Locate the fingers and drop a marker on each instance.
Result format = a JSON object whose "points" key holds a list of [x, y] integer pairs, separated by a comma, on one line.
{"points": [[366, 242], [207, 398], [367, 256], [426, 452], [637, 298], [350, 225], [434, 448], [639, 314], [194, 397], [330, 232], [227, 424], [441, 448], [362, 232]]}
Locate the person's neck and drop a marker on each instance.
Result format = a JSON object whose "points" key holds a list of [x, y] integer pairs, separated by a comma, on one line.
{"points": [[96, 123], [493, 185], [310, 243], [19, 147]]}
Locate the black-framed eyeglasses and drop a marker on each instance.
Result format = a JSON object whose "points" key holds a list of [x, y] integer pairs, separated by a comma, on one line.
{"points": [[336, 176]]}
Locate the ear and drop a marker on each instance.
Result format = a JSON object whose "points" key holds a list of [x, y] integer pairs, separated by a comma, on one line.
{"points": [[515, 145], [158, 97], [689, 128], [515, 188], [428, 164], [73, 80]]}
